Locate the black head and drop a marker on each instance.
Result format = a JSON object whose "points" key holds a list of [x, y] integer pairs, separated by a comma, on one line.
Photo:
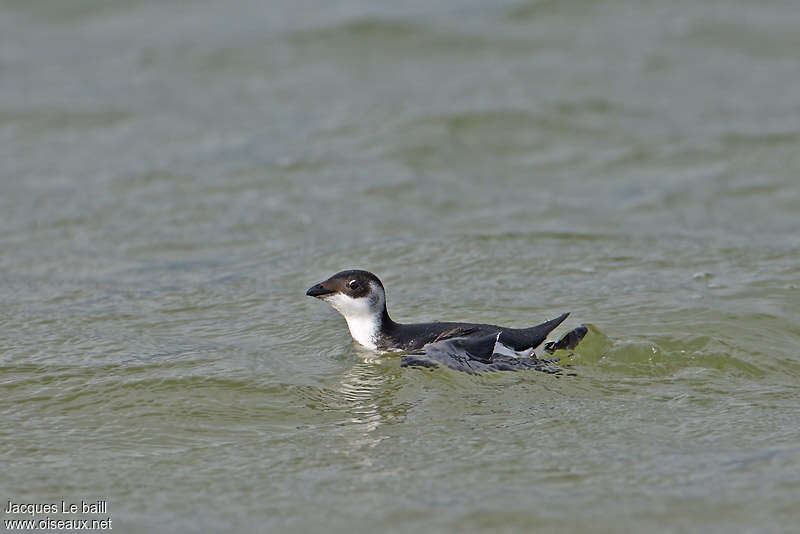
{"points": [[353, 283]]}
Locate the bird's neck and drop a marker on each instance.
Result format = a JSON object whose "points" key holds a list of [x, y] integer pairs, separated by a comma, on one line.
{"points": [[368, 329]]}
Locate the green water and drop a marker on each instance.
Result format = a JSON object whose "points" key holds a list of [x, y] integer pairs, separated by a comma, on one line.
{"points": [[174, 175]]}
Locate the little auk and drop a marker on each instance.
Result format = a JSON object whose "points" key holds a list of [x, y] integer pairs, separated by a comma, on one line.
{"points": [[361, 298]]}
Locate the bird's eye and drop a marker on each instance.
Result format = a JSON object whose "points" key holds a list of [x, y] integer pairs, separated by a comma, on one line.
{"points": [[353, 284]]}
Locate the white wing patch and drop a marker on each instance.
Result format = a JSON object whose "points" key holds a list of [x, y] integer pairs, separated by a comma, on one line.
{"points": [[505, 350]]}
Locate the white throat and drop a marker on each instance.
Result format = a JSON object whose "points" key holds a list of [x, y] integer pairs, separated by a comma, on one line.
{"points": [[363, 315]]}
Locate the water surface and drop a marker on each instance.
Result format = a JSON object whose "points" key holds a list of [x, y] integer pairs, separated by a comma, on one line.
{"points": [[174, 175]]}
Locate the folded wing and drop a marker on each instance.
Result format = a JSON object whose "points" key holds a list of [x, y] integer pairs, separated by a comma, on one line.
{"points": [[489, 353]]}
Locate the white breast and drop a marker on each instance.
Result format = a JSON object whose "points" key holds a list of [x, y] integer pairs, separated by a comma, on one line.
{"points": [[363, 320]]}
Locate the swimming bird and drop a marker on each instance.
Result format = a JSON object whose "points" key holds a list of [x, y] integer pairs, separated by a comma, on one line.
{"points": [[361, 298]]}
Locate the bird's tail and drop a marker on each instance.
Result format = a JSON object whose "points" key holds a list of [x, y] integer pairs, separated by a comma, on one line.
{"points": [[525, 338]]}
